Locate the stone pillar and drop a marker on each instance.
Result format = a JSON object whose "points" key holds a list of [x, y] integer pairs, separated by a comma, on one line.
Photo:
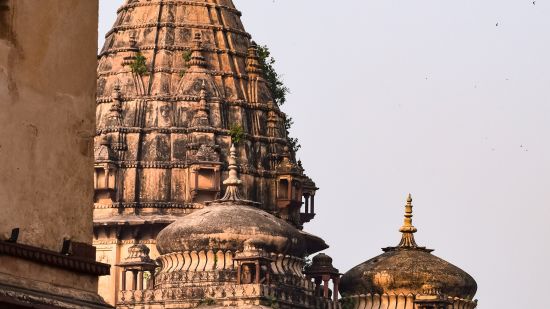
{"points": [[140, 280], [336, 282], [123, 280], [318, 286], [257, 272], [325, 287], [239, 273], [134, 279]]}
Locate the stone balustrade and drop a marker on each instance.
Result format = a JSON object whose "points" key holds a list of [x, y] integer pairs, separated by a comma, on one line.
{"points": [[226, 294], [398, 301]]}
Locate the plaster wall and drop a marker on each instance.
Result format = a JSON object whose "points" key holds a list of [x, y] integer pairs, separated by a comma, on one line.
{"points": [[47, 111]]}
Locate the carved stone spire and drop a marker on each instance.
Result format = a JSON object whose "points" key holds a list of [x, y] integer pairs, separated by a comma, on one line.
{"points": [[201, 118], [253, 67], [232, 182], [115, 112], [408, 229], [197, 59], [287, 166]]}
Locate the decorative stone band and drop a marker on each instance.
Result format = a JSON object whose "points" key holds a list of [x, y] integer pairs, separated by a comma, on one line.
{"points": [[159, 205], [176, 70], [226, 294], [196, 261], [191, 278], [398, 301], [54, 259], [183, 98], [173, 48], [220, 260], [179, 3]]}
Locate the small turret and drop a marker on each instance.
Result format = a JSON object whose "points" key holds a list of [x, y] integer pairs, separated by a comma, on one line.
{"points": [[289, 189]]}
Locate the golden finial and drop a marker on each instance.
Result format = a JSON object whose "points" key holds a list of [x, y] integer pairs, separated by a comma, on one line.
{"points": [[408, 229]]}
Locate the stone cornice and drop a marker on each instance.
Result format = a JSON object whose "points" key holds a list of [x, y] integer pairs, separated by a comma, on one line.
{"points": [[54, 259], [180, 3], [177, 71], [160, 205], [254, 138], [170, 48]]}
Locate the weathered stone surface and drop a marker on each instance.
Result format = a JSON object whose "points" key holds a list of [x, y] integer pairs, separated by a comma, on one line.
{"points": [[408, 271], [231, 253], [166, 115], [408, 276], [47, 121], [231, 227], [164, 126], [47, 91]]}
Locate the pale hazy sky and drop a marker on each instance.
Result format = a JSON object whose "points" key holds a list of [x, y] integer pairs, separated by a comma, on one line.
{"points": [[448, 100]]}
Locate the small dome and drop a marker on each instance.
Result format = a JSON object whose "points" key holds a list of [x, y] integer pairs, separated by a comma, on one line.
{"points": [[408, 269], [231, 226], [321, 264]]}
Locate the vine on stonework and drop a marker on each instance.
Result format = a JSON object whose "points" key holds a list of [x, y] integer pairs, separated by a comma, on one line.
{"points": [[237, 134], [186, 58], [139, 65], [278, 89]]}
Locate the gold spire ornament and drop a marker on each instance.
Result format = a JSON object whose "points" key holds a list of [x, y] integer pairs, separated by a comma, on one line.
{"points": [[408, 229]]}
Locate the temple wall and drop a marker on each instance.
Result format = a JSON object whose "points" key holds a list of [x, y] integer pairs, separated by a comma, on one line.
{"points": [[47, 110]]}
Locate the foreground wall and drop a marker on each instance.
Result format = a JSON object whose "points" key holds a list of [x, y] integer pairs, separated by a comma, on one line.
{"points": [[47, 111]]}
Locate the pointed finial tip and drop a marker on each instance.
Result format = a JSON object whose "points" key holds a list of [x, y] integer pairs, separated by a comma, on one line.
{"points": [[409, 198]]}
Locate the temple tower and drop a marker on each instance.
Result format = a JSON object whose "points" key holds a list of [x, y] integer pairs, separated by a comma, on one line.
{"points": [[176, 81]]}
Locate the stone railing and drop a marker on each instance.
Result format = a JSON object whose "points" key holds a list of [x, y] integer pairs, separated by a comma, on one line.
{"points": [[398, 301], [226, 294]]}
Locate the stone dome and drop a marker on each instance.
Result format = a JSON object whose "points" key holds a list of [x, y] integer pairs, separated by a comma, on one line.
{"points": [[408, 269], [231, 226]]}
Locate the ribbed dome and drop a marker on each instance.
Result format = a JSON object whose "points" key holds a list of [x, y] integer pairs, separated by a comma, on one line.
{"points": [[414, 271], [231, 227], [408, 269]]}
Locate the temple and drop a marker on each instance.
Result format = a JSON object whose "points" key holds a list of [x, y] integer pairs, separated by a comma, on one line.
{"points": [[199, 199], [176, 81]]}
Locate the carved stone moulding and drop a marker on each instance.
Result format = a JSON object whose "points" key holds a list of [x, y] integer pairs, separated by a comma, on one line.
{"points": [[82, 264]]}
